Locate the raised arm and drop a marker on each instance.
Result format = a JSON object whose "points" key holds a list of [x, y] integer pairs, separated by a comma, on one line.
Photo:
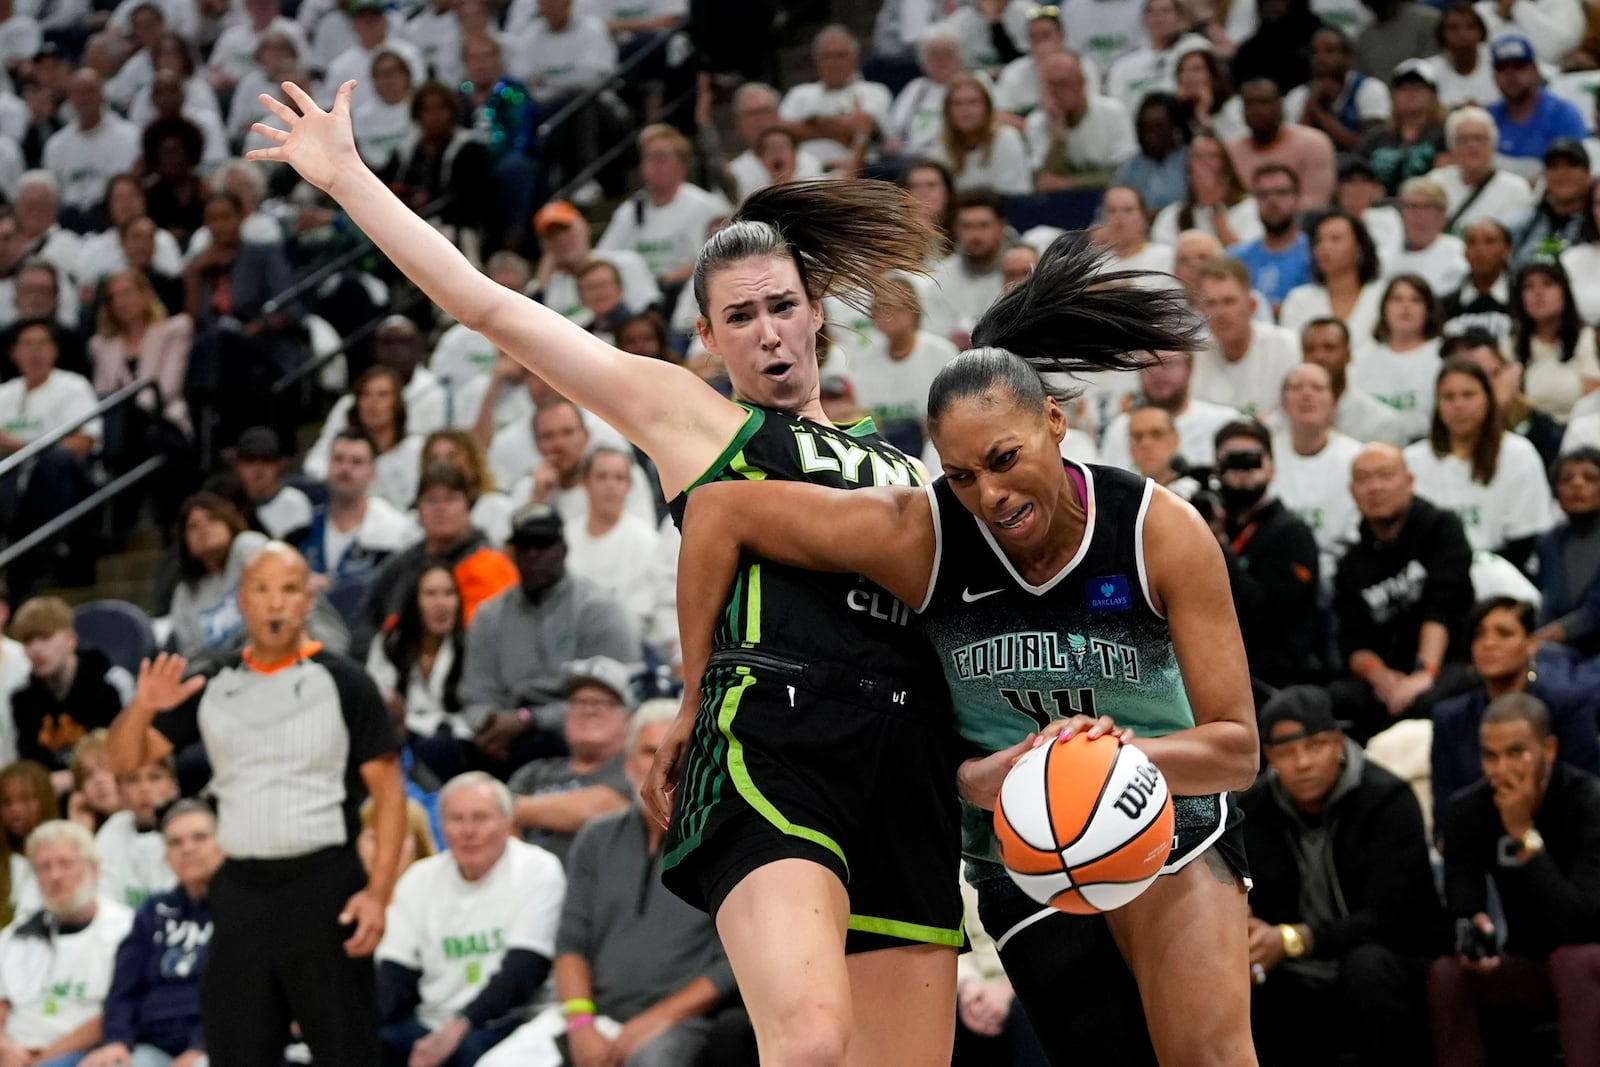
{"points": [[670, 413], [1190, 582]]}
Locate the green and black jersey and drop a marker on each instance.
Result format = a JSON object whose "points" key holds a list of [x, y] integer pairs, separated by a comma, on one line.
{"points": [[808, 615]]}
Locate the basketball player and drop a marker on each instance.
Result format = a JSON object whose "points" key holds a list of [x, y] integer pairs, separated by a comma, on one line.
{"points": [[772, 821], [1053, 591]]}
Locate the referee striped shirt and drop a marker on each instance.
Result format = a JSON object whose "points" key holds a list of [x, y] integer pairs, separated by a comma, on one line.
{"points": [[286, 746]]}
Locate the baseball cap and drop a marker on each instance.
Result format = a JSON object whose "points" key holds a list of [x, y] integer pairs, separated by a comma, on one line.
{"points": [[555, 213], [603, 671], [1415, 70], [258, 443], [1513, 48], [1567, 150], [1308, 706], [537, 524]]}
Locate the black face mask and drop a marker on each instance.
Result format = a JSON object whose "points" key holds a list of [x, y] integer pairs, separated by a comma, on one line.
{"points": [[1237, 501]]}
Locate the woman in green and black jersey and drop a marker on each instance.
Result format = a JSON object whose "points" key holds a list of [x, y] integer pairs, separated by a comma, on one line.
{"points": [[791, 789], [1059, 596]]}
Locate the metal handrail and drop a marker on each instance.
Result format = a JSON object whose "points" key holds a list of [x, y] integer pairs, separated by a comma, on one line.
{"points": [[20, 548], [360, 333], [60, 433], [616, 78], [604, 159], [364, 246]]}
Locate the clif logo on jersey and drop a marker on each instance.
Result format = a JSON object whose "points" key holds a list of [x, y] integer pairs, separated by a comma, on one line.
{"points": [[1109, 593]]}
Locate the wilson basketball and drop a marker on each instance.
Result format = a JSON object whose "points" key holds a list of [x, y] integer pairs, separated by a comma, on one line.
{"points": [[1084, 826]]}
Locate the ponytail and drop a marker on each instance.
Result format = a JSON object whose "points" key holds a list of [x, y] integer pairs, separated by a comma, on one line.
{"points": [[842, 235], [1068, 317]]}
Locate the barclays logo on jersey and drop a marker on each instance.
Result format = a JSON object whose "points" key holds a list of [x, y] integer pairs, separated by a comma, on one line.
{"points": [[1110, 593]]}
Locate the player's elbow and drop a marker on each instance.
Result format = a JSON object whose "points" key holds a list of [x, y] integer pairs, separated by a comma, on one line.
{"points": [[1241, 755]]}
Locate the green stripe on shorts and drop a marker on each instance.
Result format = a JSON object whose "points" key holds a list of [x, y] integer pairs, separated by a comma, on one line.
{"points": [[932, 935]]}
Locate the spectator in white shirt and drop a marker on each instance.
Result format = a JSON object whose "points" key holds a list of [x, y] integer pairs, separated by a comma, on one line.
{"points": [[1338, 100], [1462, 69], [173, 53], [917, 116], [991, 31], [347, 538], [892, 372], [562, 436], [665, 222], [1438, 257], [1124, 228], [1244, 366], [1517, 412], [1400, 365], [398, 349], [565, 247], [1154, 447], [132, 851], [88, 152], [20, 38], [1215, 202], [56, 964], [237, 50], [1103, 29], [1492, 479], [980, 150], [1076, 136], [436, 32], [383, 122], [369, 20], [43, 398], [836, 115], [1553, 27], [1313, 463], [1475, 186], [1360, 415], [1200, 80], [1151, 67], [1555, 347], [561, 57], [963, 286], [280, 509], [612, 548], [1166, 384], [755, 111], [1344, 279], [1018, 89], [147, 23], [379, 408], [37, 213]]}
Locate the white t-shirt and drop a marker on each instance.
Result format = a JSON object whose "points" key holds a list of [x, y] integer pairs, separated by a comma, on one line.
{"points": [[1553, 27], [62, 397], [639, 288], [437, 35], [288, 510], [234, 54], [424, 697], [573, 60], [896, 390], [57, 984], [1197, 429], [1582, 264], [1515, 504], [813, 100], [1017, 88], [954, 297], [457, 932], [668, 236], [355, 63], [1366, 418], [1104, 29], [917, 117], [620, 561], [1317, 489], [1553, 385], [1244, 219], [513, 453], [1152, 256], [1145, 70], [1102, 139], [84, 162], [1252, 384], [15, 673], [1443, 264], [1351, 16], [425, 412], [1306, 302], [1405, 381], [1006, 170], [1507, 198], [133, 863], [461, 356], [380, 129], [1371, 98], [510, 405], [573, 503], [1455, 90]]}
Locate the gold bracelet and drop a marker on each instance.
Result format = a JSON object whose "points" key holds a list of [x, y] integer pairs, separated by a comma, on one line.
{"points": [[1294, 946]]}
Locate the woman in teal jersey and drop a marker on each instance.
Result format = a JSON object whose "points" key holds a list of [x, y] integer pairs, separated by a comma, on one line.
{"points": [[781, 820], [1060, 597]]}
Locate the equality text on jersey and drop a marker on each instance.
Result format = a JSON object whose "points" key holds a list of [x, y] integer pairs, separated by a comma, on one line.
{"points": [[1036, 650]]}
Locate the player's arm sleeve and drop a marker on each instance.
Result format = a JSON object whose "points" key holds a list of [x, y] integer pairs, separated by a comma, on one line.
{"points": [[119, 1019], [373, 734]]}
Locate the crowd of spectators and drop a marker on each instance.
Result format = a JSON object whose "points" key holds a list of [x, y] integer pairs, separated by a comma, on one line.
{"points": [[1383, 211]]}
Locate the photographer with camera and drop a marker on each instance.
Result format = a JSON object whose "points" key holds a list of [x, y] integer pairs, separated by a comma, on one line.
{"points": [[1533, 826], [1271, 556]]}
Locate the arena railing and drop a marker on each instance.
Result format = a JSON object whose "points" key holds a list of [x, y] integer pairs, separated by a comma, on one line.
{"points": [[103, 493]]}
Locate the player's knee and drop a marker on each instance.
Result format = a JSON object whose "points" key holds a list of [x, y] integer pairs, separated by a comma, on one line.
{"points": [[813, 1035]]}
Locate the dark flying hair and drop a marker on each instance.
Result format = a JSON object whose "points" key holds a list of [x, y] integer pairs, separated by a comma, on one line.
{"points": [[842, 237], [1069, 316]]}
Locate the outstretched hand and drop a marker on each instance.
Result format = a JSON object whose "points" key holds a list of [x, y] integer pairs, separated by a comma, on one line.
{"points": [[161, 683], [320, 145]]}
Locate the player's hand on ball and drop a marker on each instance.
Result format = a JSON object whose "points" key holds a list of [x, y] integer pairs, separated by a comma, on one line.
{"points": [[978, 779], [1066, 729]]}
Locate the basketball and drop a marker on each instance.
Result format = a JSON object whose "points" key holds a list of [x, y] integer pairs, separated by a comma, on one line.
{"points": [[1084, 826]]}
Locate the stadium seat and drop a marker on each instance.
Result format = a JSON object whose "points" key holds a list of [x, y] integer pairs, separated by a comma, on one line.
{"points": [[118, 629]]}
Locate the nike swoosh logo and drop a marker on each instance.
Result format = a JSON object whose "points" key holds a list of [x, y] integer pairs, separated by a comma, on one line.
{"points": [[972, 598]]}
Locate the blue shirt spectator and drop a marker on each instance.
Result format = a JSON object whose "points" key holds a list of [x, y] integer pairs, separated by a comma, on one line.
{"points": [[1529, 116], [1274, 272]]}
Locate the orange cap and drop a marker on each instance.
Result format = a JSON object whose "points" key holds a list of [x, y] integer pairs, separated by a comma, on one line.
{"points": [[555, 213]]}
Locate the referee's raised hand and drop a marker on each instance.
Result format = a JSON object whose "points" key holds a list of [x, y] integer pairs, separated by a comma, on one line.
{"points": [[161, 683]]}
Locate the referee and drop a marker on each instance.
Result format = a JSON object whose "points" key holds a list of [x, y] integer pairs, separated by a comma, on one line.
{"points": [[297, 736]]}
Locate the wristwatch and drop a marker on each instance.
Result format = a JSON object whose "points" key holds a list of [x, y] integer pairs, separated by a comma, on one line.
{"points": [[1294, 946], [1532, 844]]}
